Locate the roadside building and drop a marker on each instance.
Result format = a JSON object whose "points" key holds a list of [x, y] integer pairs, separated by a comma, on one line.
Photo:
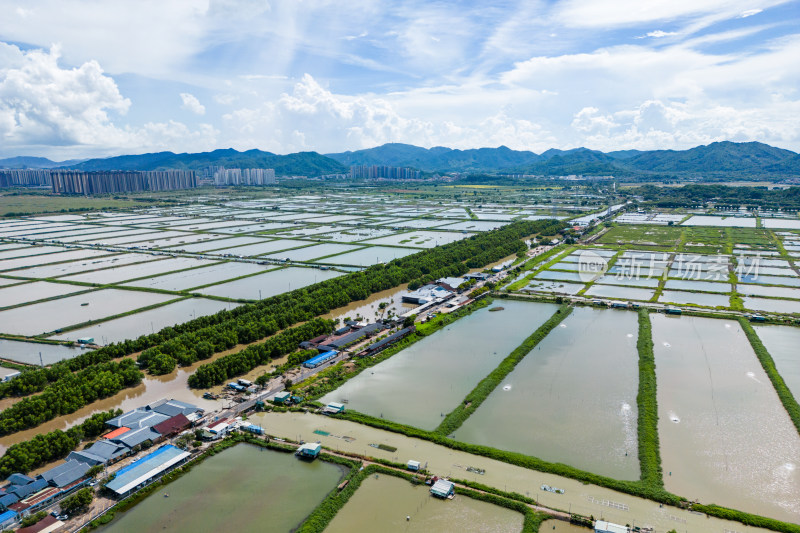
{"points": [[144, 470], [173, 426], [47, 524], [320, 359], [283, 398], [443, 488], [601, 526], [426, 294], [413, 465], [333, 408], [309, 450]]}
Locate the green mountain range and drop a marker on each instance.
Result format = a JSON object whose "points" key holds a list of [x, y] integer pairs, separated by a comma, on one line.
{"points": [[301, 163], [717, 160]]}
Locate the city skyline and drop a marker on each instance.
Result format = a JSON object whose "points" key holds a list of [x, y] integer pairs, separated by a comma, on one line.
{"points": [[81, 80]]}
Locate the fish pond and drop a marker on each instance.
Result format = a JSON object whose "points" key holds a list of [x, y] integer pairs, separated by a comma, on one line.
{"points": [[389, 504], [725, 437], [555, 405], [428, 379], [244, 488]]}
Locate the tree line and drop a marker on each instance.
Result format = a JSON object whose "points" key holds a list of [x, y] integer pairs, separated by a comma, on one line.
{"points": [[45, 448], [70, 394]]}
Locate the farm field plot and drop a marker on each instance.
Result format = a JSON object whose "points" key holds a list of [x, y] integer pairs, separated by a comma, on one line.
{"points": [[75, 267], [771, 305], [382, 503], [781, 342], [21, 262], [264, 247], [539, 411], [696, 298], [644, 235], [37, 290], [725, 437], [269, 283], [147, 322], [140, 270], [28, 352], [369, 256], [44, 317], [558, 287], [271, 492], [315, 251], [409, 387], [421, 239], [619, 292], [181, 281]]}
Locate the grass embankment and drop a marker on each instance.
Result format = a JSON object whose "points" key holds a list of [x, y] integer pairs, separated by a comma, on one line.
{"points": [[646, 401], [787, 398], [475, 398]]}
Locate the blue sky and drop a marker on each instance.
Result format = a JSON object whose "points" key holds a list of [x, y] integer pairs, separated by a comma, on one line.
{"points": [[94, 78]]}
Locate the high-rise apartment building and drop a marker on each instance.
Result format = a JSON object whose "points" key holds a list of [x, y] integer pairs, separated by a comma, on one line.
{"points": [[385, 172], [79, 182]]}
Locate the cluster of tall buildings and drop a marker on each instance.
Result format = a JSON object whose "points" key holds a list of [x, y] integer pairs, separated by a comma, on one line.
{"points": [[80, 182], [29, 177], [242, 176], [383, 171]]}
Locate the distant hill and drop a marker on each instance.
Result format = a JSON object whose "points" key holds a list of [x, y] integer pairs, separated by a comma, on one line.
{"points": [[716, 157], [301, 163], [719, 160], [437, 159], [34, 162]]}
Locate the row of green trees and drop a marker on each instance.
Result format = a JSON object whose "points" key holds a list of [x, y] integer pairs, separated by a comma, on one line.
{"points": [[200, 338], [236, 364], [475, 398], [45, 448], [70, 394], [647, 404]]}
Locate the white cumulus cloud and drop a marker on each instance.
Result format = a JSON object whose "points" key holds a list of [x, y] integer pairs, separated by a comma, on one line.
{"points": [[191, 103]]}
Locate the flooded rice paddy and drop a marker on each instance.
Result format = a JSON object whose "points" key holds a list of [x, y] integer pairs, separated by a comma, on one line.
{"points": [[564, 403], [725, 437], [393, 505], [421, 383], [244, 488]]}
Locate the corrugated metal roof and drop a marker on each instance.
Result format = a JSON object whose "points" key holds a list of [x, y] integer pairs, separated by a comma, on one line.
{"points": [[173, 424], [145, 468], [116, 433]]}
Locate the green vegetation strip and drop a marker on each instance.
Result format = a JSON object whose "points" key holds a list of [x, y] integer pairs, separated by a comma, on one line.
{"points": [[787, 399], [646, 401], [475, 398]]}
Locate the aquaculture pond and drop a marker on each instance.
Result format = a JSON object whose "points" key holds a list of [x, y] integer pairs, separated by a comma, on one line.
{"points": [[147, 322], [28, 352], [270, 283], [572, 399], [389, 504], [37, 290], [725, 437], [421, 383], [48, 316], [244, 488], [782, 343], [369, 256], [197, 277]]}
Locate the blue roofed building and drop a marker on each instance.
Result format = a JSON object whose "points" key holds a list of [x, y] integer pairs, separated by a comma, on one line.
{"points": [[145, 469], [7, 518], [65, 474]]}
